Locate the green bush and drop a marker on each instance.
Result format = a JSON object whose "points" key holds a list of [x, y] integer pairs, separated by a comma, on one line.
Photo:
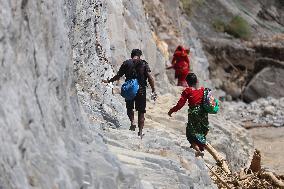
{"points": [[238, 27]]}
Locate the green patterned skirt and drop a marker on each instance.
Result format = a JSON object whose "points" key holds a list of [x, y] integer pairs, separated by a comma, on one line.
{"points": [[197, 126]]}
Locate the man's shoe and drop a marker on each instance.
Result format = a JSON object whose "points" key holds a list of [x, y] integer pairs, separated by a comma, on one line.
{"points": [[199, 154], [132, 127], [140, 134]]}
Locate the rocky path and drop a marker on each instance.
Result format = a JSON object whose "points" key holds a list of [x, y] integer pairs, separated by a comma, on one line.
{"points": [[164, 159]]}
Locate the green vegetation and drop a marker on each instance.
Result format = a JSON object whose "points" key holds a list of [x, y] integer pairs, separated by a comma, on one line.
{"points": [[237, 27], [189, 5]]}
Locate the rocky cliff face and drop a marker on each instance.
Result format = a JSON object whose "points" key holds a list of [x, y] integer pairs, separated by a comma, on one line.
{"points": [[46, 141], [172, 29], [120, 27], [55, 112], [253, 12], [233, 62]]}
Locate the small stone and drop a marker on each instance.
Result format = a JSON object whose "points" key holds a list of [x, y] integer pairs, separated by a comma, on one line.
{"points": [[269, 110], [229, 98], [256, 111]]}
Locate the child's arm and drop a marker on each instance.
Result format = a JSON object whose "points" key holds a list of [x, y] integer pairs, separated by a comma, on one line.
{"points": [[179, 105], [170, 67]]}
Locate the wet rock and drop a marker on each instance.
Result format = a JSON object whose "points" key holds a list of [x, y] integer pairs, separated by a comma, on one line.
{"points": [[270, 49]]}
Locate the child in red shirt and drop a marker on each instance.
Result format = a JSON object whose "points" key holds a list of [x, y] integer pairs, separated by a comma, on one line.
{"points": [[198, 125]]}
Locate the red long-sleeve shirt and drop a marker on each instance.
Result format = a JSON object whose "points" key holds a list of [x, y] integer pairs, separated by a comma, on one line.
{"points": [[180, 62], [190, 94]]}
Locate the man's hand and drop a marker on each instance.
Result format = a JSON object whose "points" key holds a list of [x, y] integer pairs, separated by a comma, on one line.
{"points": [[151, 82], [154, 96], [105, 81]]}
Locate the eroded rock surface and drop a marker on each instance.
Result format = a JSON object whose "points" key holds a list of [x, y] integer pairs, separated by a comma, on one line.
{"points": [[164, 158], [173, 28], [233, 61], [56, 116], [46, 141]]}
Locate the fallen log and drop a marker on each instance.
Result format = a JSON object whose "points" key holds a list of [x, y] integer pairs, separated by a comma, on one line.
{"points": [[273, 178], [251, 125], [218, 177], [253, 177], [218, 158]]}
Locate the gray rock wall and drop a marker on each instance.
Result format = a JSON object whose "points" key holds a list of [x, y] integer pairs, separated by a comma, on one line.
{"points": [[45, 139], [103, 38], [54, 107], [129, 29], [174, 28]]}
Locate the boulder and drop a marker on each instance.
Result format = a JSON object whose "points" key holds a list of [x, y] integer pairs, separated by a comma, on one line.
{"points": [[268, 82], [232, 89]]}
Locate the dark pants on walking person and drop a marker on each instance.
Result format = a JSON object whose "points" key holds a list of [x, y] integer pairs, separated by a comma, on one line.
{"points": [[139, 102]]}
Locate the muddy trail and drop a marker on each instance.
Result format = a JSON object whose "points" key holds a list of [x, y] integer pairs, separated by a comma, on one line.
{"points": [[270, 142]]}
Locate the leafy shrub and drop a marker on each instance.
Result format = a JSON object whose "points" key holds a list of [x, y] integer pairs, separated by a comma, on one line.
{"points": [[238, 27]]}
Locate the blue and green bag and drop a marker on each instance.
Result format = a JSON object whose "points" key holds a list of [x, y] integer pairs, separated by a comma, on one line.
{"points": [[210, 104], [129, 89]]}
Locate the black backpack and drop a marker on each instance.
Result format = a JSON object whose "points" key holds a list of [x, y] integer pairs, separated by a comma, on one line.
{"points": [[137, 70]]}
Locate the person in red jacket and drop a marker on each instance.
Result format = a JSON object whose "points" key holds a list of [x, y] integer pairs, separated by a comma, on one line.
{"points": [[180, 64], [198, 125]]}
